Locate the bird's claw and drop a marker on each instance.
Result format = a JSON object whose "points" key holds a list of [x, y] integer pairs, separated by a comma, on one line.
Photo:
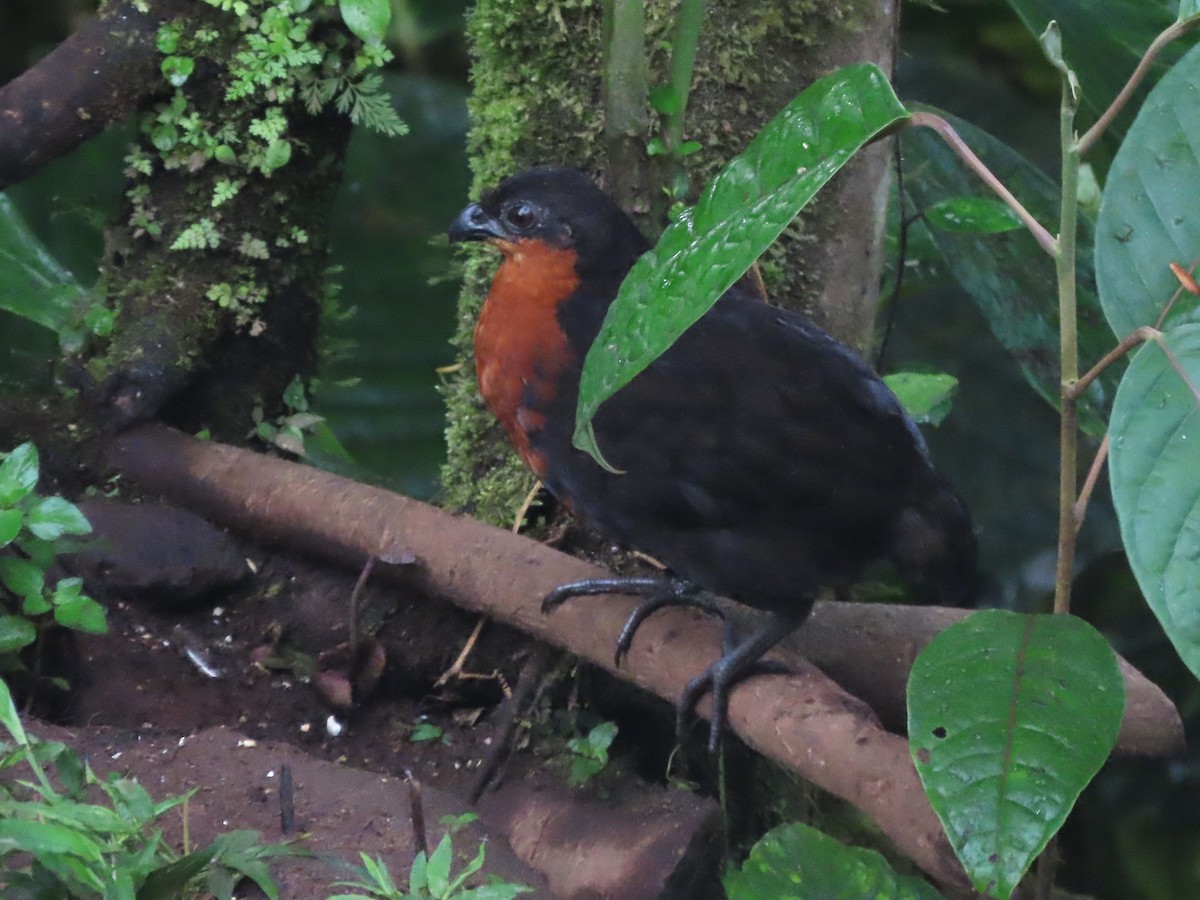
{"points": [[735, 663], [659, 591]]}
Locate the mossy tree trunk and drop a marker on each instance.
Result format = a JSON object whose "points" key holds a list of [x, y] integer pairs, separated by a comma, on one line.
{"points": [[214, 271], [539, 97]]}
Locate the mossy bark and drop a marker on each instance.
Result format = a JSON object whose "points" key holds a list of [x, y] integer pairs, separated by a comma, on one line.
{"points": [[180, 351], [538, 98]]}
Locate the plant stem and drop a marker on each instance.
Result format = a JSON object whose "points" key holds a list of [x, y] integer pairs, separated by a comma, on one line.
{"points": [[1089, 485], [683, 61], [946, 131], [1175, 31], [1064, 261]]}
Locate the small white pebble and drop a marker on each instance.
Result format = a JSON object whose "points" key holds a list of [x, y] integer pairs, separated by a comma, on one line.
{"points": [[247, 742], [306, 727], [333, 726]]}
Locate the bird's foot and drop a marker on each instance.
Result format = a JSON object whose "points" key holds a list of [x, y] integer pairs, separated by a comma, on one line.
{"points": [[659, 591], [735, 664]]}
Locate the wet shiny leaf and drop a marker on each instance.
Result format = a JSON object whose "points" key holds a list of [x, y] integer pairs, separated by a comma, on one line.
{"points": [[1010, 716], [745, 207]]}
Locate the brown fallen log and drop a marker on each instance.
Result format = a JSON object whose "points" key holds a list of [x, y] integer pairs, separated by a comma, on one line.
{"points": [[869, 650], [803, 719]]}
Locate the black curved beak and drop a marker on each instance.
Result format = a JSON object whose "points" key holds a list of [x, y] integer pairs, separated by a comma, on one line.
{"points": [[473, 224]]}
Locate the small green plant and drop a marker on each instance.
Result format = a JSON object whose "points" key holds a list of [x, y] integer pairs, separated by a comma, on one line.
{"points": [[589, 755], [33, 531], [55, 844], [426, 731], [799, 861], [430, 877], [287, 431]]}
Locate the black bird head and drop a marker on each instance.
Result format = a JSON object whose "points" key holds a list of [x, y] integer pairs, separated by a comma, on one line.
{"points": [[560, 207]]}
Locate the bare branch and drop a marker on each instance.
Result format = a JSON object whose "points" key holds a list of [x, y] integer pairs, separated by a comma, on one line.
{"points": [[1176, 30], [94, 78]]}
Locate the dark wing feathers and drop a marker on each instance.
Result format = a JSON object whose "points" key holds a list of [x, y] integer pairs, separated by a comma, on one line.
{"points": [[760, 453]]}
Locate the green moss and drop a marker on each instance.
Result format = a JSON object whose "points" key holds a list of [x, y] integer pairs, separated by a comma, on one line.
{"points": [[536, 100]]}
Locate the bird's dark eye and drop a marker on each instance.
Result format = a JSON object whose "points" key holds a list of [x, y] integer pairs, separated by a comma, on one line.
{"points": [[520, 215]]}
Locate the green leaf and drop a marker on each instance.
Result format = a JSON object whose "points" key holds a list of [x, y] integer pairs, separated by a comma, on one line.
{"points": [[41, 838], [425, 731], [10, 525], [278, 153], [437, 870], [1147, 211], [972, 215], [1008, 276], [52, 517], [35, 604], [470, 869], [925, 396], [18, 474], [797, 861], [177, 69], [21, 576], [82, 614], [33, 284], [1010, 716], [16, 632], [417, 872], [664, 99], [9, 718], [601, 736], [1153, 460], [743, 209], [170, 881], [368, 20]]}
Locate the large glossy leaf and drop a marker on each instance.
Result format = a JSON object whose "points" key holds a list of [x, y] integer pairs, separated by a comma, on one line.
{"points": [[740, 213], [1154, 464], [1148, 210], [1102, 44], [33, 284], [1009, 718], [1008, 276], [796, 861]]}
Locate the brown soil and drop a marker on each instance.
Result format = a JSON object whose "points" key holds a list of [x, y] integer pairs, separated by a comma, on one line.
{"points": [[219, 695]]}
